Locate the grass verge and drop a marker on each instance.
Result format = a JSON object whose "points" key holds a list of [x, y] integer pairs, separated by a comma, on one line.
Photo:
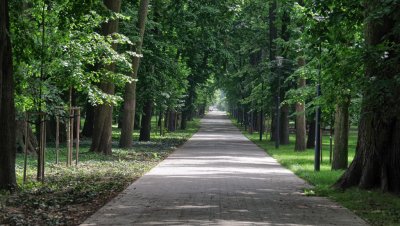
{"points": [[71, 194], [375, 207]]}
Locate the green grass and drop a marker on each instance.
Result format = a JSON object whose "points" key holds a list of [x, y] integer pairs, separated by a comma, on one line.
{"points": [[70, 194], [375, 207]]}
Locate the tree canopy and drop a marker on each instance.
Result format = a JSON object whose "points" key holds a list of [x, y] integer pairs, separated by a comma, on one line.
{"points": [[169, 58]]}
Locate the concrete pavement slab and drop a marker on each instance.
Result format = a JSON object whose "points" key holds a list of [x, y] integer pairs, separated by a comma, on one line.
{"points": [[219, 177]]}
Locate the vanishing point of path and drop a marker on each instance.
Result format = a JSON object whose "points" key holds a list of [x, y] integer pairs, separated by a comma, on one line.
{"points": [[219, 177]]}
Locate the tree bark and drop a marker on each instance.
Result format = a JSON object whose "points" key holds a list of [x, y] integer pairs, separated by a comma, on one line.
{"points": [[7, 109], [273, 34], [184, 119], [187, 113], [145, 129], [300, 123], [102, 129], [87, 130], [138, 118], [256, 121], [129, 107], [171, 120], [341, 137], [273, 126], [273, 31], [285, 34], [301, 129], [377, 160], [284, 127], [311, 134], [32, 142]]}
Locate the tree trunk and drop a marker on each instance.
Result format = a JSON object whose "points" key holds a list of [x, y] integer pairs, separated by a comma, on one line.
{"points": [[311, 134], [20, 138], [145, 130], [285, 34], [284, 127], [301, 117], [256, 118], [188, 109], [273, 126], [89, 120], [7, 109], [184, 119], [102, 130], [341, 137], [377, 160], [171, 120], [137, 121], [273, 31], [273, 34], [300, 126], [129, 108], [251, 119]]}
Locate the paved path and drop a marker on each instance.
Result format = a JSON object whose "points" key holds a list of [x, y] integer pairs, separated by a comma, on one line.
{"points": [[219, 177]]}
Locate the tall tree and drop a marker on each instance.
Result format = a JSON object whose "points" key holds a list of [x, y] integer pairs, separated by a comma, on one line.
{"points": [[301, 116], [87, 130], [340, 152], [286, 35], [7, 109], [311, 132], [129, 108], [273, 34], [377, 154], [145, 128], [102, 128]]}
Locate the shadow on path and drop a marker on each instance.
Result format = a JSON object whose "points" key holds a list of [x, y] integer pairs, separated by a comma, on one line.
{"points": [[219, 177]]}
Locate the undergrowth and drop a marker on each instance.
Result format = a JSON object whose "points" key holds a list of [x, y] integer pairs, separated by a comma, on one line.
{"points": [[375, 207], [70, 194]]}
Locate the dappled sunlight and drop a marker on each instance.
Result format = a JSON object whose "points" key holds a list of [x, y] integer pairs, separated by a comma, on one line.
{"points": [[220, 178]]}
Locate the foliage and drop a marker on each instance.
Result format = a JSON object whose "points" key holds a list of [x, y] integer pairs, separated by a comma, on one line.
{"points": [[374, 206], [57, 46], [70, 195]]}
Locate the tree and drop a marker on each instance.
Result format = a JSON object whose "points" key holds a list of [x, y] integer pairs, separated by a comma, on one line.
{"points": [[7, 108], [377, 154], [301, 116], [129, 107], [338, 38], [102, 130], [273, 34], [340, 152], [145, 128]]}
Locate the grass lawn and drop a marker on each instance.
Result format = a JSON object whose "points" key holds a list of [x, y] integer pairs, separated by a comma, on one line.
{"points": [[375, 207], [71, 194]]}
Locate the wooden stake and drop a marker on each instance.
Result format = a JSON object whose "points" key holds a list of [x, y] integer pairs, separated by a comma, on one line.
{"points": [[330, 144], [161, 124], [44, 146], [26, 145], [41, 150], [78, 129], [72, 136], [68, 139], [321, 142], [57, 139]]}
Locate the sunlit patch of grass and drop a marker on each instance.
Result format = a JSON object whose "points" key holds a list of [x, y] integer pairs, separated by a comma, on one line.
{"points": [[374, 206]]}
